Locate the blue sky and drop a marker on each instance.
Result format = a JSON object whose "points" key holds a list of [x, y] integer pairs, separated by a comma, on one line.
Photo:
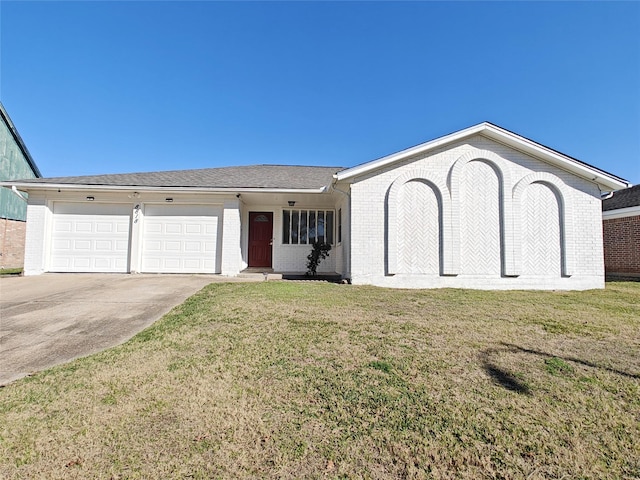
{"points": [[114, 87]]}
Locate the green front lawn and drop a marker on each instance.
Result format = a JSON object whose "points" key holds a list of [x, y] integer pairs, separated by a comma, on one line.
{"points": [[314, 380]]}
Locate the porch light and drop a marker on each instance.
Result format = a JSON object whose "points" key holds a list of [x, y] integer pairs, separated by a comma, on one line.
{"points": [[168, 200], [91, 199], [291, 203]]}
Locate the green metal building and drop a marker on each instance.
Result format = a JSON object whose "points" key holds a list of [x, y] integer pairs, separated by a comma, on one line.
{"points": [[15, 164]]}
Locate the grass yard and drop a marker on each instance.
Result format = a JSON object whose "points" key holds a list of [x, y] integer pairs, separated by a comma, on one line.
{"points": [[10, 271], [313, 380]]}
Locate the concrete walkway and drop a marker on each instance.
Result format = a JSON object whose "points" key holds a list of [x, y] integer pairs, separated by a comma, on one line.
{"points": [[50, 319]]}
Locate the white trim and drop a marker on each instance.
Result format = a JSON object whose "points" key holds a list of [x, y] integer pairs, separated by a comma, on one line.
{"points": [[394, 157], [621, 213], [118, 188], [609, 182]]}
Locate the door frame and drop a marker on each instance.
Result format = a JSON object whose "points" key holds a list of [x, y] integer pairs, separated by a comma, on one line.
{"points": [[249, 215]]}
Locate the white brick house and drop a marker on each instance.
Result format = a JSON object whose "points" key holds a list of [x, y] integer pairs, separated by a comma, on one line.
{"points": [[480, 208]]}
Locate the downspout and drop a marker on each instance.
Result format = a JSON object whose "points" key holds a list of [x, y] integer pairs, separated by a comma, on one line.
{"points": [[18, 193], [607, 196], [348, 240]]}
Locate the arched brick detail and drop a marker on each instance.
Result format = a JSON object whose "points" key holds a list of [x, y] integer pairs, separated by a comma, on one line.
{"points": [[441, 191], [565, 207], [501, 167]]}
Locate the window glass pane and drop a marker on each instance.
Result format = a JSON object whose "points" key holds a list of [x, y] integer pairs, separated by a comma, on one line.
{"points": [[329, 228], [303, 226], [312, 227], [294, 226], [321, 226], [286, 225]]}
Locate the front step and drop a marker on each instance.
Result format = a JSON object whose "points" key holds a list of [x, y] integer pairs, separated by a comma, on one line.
{"points": [[262, 274], [257, 273]]}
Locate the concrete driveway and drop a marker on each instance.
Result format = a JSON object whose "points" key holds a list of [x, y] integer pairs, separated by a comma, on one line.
{"points": [[50, 319]]}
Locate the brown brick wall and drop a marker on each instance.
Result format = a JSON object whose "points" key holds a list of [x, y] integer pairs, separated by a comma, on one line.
{"points": [[622, 245], [12, 234]]}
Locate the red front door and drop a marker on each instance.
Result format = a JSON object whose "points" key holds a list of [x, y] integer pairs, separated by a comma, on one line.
{"points": [[260, 238]]}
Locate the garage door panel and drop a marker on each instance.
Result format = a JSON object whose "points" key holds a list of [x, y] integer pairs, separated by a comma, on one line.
{"points": [[122, 246], [192, 263], [105, 246], [63, 226], [152, 227], [193, 229], [193, 247], [102, 263], [180, 239], [151, 265], [102, 227], [172, 247], [90, 238], [80, 226], [152, 246], [171, 263], [79, 245], [80, 262], [58, 263], [59, 244], [173, 229]]}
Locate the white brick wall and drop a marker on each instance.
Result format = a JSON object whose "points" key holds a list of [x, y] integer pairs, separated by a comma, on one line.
{"points": [[293, 259], [474, 223], [230, 253], [36, 240]]}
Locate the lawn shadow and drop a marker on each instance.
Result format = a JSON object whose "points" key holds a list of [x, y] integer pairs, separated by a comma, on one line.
{"points": [[621, 278], [501, 376], [516, 348]]}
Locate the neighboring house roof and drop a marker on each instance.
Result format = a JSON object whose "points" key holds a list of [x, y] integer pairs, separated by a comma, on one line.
{"points": [[628, 197], [16, 136], [259, 177], [605, 180]]}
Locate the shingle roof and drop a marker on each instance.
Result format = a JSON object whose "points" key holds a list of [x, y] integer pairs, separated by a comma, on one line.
{"points": [[250, 176], [627, 197]]}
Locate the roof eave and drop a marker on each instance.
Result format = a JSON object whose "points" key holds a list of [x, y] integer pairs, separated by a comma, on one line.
{"points": [[29, 186], [592, 174], [621, 212], [394, 157]]}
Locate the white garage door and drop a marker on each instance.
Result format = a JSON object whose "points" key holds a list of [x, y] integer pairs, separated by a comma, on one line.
{"points": [[90, 237], [180, 238]]}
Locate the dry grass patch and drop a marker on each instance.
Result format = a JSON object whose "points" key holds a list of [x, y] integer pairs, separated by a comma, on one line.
{"points": [[310, 380]]}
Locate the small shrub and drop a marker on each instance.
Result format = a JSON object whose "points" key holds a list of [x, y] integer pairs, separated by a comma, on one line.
{"points": [[319, 252]]}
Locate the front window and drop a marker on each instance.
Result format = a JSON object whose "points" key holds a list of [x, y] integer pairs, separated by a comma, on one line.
{"points": [[302, 227]]}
